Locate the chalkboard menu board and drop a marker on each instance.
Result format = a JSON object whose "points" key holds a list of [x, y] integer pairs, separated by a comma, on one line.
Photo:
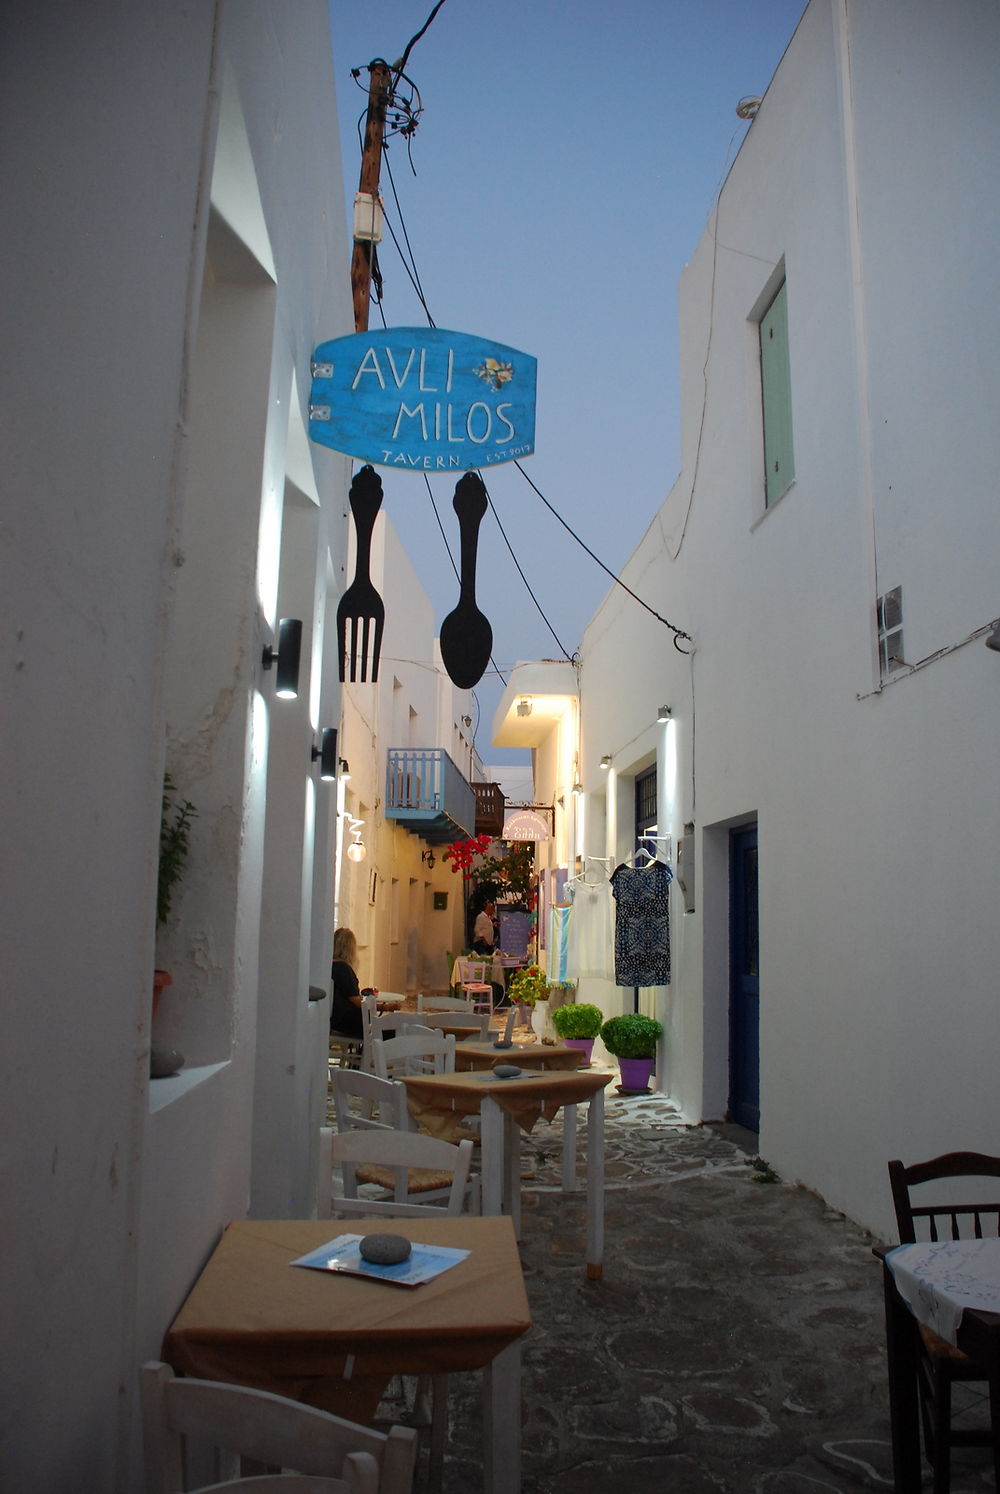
{"points": [[515, 931]]}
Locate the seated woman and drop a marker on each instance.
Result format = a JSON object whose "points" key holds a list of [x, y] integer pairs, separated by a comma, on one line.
{"points": [[345, 1009]]}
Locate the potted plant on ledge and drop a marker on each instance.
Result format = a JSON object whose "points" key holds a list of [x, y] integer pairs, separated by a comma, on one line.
{"points": [[578, 1024], [632, 1039], [175, 835]]}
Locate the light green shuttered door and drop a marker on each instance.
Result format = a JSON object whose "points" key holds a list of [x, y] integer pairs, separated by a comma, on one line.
{"points": [[776, 389]]}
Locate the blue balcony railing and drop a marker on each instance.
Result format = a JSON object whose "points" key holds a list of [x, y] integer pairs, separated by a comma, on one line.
{"points": [[427, 793]]}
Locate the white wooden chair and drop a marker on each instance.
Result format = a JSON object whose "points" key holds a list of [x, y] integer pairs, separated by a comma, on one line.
{"points": [[411, 1159], [284, 1483], [444, 1004], [235, 1422], [414, 1167], [416, 1053], [471, 976], [376, 1024], [477, 1023], [363, 1101], [345, 1050], [357, 1097]]}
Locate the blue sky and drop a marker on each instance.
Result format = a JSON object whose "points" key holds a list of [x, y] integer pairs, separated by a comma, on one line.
{"points": [[567, 160]]}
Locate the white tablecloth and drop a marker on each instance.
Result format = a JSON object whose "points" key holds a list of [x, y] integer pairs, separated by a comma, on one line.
{"points": [[939, 1281]]}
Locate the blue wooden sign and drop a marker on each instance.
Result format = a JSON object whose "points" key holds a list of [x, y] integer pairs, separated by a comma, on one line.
{"points": [[423, 399]]}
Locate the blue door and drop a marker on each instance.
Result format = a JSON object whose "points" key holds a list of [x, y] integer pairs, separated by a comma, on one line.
{"points": [[744, 981]]}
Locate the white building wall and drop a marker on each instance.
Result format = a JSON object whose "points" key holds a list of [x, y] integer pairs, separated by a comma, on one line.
{"points": [[388, 899], [876, 814], [173, 228]]}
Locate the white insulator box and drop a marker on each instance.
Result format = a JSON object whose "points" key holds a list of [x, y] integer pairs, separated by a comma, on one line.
{"points": [[368, 218]]}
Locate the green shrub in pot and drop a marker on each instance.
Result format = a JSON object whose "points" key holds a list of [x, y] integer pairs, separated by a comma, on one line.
{"points": [[577, 1020], [632, 1036]]}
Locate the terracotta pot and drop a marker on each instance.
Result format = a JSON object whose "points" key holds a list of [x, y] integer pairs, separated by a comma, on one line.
{"points": [[161, 978]]}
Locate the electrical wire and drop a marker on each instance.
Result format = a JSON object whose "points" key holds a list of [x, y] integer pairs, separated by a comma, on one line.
{"points": [[411, 267], [401, 64], [524, 578], [677, 632]]}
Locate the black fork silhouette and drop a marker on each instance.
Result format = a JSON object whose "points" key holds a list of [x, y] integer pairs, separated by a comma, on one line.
{"points": [[361, 603]]}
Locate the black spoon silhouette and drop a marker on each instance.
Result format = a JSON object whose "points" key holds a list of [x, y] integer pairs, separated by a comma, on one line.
{"points": [[466, 635]]}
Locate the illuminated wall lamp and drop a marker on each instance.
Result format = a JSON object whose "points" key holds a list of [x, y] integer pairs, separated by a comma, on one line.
{"points": [[357, 850], [327, 753], [578, 788], [662, 714], [285, 658], [524, 708], [606, 761], [345, 769]]}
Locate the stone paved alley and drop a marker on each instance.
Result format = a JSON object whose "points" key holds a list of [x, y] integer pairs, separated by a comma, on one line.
{"points": [[735, 1343]]}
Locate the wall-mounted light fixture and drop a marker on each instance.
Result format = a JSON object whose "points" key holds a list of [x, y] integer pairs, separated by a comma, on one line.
{"points": [[524, 708], [430, 858], [345, 769], [606, 761], [285, 658], [466, 720], [327, 753], [993, 641], [357, 850], [662, 714], [578, 788]]}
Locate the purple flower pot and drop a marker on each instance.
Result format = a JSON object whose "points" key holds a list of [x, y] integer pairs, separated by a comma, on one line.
{"points": [[636, 1074], [586, 1044]]}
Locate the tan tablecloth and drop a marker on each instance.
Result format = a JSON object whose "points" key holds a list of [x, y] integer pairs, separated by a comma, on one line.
{"points": [[335, 1341], [439, 1101], [479, 1056]]}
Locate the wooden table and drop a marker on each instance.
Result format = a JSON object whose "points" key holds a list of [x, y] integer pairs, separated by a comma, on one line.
{"points": [[438, 1103], [479, 1056], [922, 1283], [335, 1341]]}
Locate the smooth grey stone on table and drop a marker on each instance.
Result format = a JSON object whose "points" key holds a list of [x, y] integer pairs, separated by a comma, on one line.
{"points": [[384, 1249]]}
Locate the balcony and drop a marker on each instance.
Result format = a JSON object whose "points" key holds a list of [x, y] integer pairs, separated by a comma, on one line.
{"points": [[490, 809], [427, 793]]}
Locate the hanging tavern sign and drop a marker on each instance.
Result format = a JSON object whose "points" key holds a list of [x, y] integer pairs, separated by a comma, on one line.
{"points": [[423, 399]]}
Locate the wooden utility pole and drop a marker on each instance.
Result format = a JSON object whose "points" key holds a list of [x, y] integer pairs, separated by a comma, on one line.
{"points": [[371, 164]]}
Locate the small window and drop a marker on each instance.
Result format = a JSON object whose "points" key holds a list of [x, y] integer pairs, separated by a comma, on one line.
{"points": [[889, 617], [776, 398]]}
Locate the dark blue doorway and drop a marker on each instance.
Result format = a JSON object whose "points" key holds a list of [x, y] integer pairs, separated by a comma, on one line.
{"points": [[744, 981]]}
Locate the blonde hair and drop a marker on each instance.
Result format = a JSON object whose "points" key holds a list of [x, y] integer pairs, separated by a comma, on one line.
{"points": [[345, 947]]}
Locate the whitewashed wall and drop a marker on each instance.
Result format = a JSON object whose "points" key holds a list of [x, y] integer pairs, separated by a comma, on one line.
{"points": [[867, 173], [162, 504], [388, 899]]}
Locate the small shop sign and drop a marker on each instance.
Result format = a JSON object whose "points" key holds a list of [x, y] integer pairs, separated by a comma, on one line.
{"points": [[423, 399], [525, 824]]}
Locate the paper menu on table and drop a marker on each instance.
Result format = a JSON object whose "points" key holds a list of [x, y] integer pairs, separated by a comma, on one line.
{"points": [[343, 1255]]}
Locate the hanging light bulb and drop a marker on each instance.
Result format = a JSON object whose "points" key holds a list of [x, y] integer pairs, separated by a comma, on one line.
{"points": [[357, 850]]}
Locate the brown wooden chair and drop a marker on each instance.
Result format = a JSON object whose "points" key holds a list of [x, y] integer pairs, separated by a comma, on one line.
{"points": [[946, 1216]]}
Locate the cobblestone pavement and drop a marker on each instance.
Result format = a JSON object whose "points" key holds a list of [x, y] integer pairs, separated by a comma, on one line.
{"points": [[734, 1344]]}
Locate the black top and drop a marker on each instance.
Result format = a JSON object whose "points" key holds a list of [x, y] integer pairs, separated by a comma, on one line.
{"points": [[344, 1015]]}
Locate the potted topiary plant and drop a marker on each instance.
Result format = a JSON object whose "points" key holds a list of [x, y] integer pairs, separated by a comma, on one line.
{"points": [[632, 1039], [578, 1024], [175, 832]]}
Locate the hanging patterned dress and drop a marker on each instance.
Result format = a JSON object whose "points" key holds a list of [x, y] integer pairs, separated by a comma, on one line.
{"points": [[642, 924]]}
